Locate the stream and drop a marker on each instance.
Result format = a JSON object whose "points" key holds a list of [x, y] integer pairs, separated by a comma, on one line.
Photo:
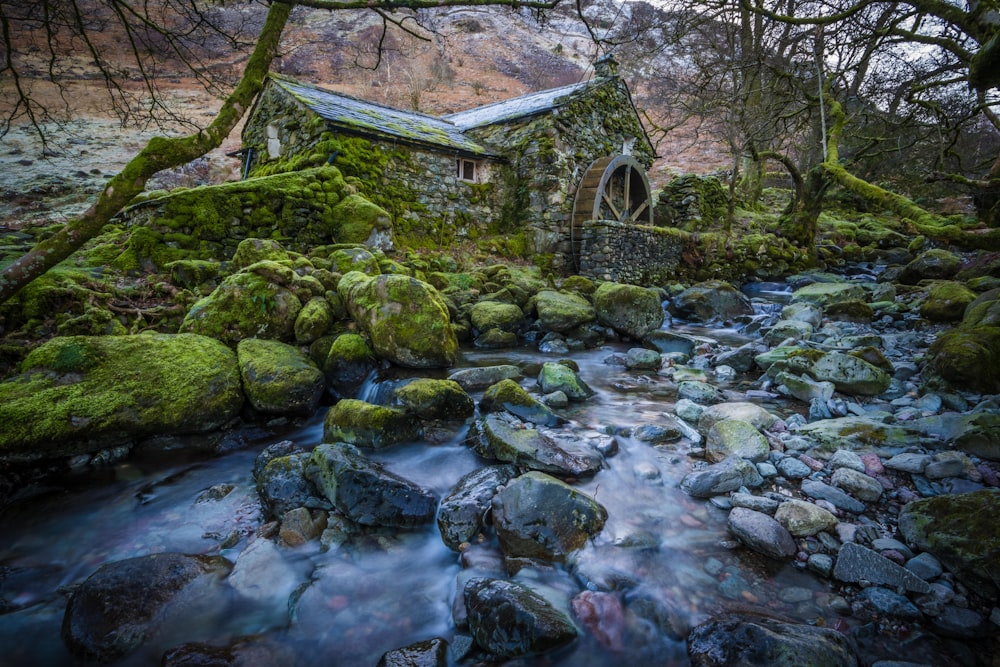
{"points": [[350, 604]]}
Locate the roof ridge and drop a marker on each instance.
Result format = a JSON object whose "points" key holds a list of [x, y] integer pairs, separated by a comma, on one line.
{"points": [[549, 91]]}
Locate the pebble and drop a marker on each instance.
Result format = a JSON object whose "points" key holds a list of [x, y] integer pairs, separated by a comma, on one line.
{"points": [[767, 470], [887, 543], [793, 468], [843, 458], [811, 462], [925, 566], [909, 462], [890, 603], [873, 464], [821, 564]]}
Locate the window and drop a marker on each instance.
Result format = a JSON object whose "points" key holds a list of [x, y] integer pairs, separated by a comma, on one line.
{"points": [[466, 170]]}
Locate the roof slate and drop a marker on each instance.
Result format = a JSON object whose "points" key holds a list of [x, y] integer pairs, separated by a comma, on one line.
{"points": [[519, 107]]}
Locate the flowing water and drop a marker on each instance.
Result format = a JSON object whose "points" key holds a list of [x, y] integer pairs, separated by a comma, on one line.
{"points": [[668, 552]]}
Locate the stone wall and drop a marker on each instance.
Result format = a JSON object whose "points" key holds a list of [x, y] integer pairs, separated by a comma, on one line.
{"points": [[641, 255]]}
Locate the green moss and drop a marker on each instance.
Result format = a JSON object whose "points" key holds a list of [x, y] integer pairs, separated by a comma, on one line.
{"points": [[367, 425], [435, 399]]}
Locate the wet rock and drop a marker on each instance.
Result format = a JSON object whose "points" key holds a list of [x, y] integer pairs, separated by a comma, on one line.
{"points": [[537, 516], [630, 310], [962, 623], [263, 576], [509, 620], [802, 518], [301, 525], [710, 301], [723, 477], [509, 441], [486, 315], [959, 530], [510, 396], [562, 311], [849, 374], [925, 566], [859, 433], [803, 311], [735, 437], [760, 640], [761, 533], [282, 485], [825, 294], [279, 379], [462, 514], [889, 603], [836, 497], [671, 342], [367, 425], [698, 392], [858, 484], [346, 362], [804, 388], [253, 650], [472, 379], [757, 503], [406, 319], [748, 412], [843, 458], [428, 398], [557, 377], [784, 329], [81, 394], [656, 434], [365, 492], [604, 616], [740, 359], [856, 564], [123, 603], [639, 358], [428, 653], [946, 301], [933, 264]]}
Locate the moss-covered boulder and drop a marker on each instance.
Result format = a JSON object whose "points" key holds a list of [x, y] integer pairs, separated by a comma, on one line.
{"points": [[429, 398], [946, 301], [735, 437], [562, 311], [314, 320], [934, 264], [557, 377], [962, 532], [406, 319], [81, 394], [984, 310], [510, 396], [710, 301], [848, 373], [245, 305], [360, 221], [345, 260], [487, 315], [368, 425], [761, 640], [279, 379], [967, 357], [346, 362], [824, 294], [511, 441], [630, 310], [251, 251]]}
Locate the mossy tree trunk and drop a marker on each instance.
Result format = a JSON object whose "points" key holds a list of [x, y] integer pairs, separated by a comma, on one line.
{"points": [[800, 220], [160, 153]]}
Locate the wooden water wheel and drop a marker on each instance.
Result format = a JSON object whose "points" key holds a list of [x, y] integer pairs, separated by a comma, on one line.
{"points": [[612, 188]]}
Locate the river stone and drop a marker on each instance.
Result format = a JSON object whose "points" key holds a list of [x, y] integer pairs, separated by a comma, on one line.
{"points": [[630, 310], [262, 574], [538, 516], [671, 342], [472, 379], [428, 653], [368, 425], [785, 329], [510, 620], [557, 377], [122, 604], [843, 458], [247, 305], [428, 398], [946, 301], [462, 514], [803, 311], [856, 564], [804, 388], [859, 433], [967, 357], [850, 374], [640, 358], [252, 650], [509, 441], [740, 359], [761, 533], [81, 394], [889, 603], [406, 319], [936, 264], [858, 484], [925, 566], [282, 485], [962, 623], [510, 396], [824, 294], [562, 311], [279, 379], [723, 477], [746, 411], [366, 493], [960, 531], [822, 491], [791, 468], [803, 518], [759, 640], [698, 392], [346, 363], [486, 315], [710, 301], [735, 437]]}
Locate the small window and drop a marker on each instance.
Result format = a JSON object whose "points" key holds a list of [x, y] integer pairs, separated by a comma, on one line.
{"points": [[466, 170]]}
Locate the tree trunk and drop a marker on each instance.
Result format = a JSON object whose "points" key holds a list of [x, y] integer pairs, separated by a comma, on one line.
{"points": [[160, 153]]}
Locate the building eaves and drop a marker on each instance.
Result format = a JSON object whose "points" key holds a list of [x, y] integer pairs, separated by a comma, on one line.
{"points": [[367, 118]]}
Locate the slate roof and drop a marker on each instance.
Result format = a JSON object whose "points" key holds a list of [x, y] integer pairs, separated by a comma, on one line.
{"points": [[519, 107], [353, 114]]}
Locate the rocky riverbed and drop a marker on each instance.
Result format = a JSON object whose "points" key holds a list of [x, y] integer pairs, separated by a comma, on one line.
{"points": [[492, 468]]}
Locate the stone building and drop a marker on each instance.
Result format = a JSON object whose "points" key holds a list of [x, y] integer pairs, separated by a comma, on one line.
{"points": [[534, 167]]}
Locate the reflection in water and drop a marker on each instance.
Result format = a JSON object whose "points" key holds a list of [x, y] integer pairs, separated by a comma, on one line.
{"points": [[667, 557]]}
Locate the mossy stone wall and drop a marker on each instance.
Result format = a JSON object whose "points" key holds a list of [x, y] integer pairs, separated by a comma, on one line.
{"points": [[642, 255]]}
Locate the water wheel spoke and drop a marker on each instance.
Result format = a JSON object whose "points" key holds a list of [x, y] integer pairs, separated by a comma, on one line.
{"points": [[611, 205], [638, 212]]}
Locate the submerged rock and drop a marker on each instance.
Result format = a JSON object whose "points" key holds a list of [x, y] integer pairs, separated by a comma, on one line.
{"points": [[81, 394], [462, 515], [537, 516], [509, 441], [856, 563], [760, 640], [509, 620], [365, 492], [123, 603], [428, 653]]}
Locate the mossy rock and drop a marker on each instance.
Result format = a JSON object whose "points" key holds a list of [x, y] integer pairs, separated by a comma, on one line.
{"points": [[510, 396], [487, 315], [984, 310], [251, 251], [279, 379], [849, 311], [711, 301], [823, 294], [630, 310], [314, 320], [406, 320], [345, 260], [557, 377], [849, 374], [562, 311], [580, 284], [495, 339], [360, 221], [245, 305], [347, 362], [934, 264], [81, 394], [968, 357], [192, 273], [428, 398], [367, 425], [946, 301]]}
